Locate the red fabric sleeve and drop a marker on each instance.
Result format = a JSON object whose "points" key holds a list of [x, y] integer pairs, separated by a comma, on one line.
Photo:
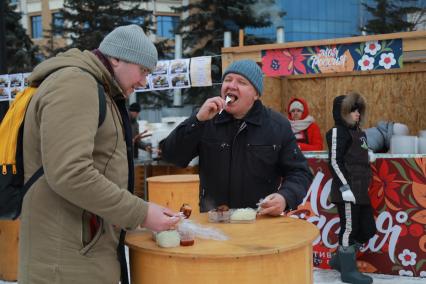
{"points": [[314, 138]]}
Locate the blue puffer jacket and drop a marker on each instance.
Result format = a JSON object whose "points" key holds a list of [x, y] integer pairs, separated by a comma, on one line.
{"points": [[241, 161]]}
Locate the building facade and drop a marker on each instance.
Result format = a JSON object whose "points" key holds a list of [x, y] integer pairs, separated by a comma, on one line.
{"points": [[304, 20], [321, 19], [38, 16]]}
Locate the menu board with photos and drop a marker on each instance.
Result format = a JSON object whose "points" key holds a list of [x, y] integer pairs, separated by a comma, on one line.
{"points": [[169, 74], [4, 88], [16, 84], [12, 84], [179, 73]]}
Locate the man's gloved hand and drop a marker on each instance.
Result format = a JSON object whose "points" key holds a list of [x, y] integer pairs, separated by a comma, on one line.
{"points": [[347, 194], [371, 156]]}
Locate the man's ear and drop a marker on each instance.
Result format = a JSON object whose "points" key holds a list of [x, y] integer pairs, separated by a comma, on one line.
{"points": [[114, 61]]}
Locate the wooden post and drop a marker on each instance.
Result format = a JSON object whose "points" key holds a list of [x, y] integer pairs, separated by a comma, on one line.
{"points": [[9, 238], [241, 38]]}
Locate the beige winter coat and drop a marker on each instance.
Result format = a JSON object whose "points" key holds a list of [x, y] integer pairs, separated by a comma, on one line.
{"points": [[85, 168]]}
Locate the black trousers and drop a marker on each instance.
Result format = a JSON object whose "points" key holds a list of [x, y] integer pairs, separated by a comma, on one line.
{"points": [[357, 224]]}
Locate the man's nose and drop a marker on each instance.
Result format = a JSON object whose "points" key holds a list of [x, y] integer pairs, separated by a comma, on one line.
{"points": [[142, 82], [233, 84]]}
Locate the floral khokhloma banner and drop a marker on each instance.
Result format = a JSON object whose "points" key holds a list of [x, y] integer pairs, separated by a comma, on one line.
{"points": [[398, 198], [364, 56]]}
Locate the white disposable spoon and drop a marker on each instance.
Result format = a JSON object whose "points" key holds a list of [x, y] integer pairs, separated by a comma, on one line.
{"points": [[227, 100]]}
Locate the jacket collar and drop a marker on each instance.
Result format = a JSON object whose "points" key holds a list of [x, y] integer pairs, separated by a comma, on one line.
{"points": [[254, 115]]}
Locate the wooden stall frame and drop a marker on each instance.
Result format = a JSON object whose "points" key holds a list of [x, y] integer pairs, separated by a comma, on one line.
{"points": [[393, 95], [412, 41]]}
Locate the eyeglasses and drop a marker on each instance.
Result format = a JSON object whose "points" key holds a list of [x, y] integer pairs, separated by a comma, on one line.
{"points": [[144, 70]]}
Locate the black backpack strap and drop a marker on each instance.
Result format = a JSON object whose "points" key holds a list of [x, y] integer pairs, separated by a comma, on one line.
{"points": [[101, 96], [102, 104], [32, 180], [26, 187]]}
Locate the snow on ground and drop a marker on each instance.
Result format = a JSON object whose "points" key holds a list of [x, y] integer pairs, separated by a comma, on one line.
{"points": [[322, 276], [325, 276]]}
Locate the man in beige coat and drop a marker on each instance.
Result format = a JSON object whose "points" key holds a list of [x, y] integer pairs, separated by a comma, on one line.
{"points": [[72, 215]]}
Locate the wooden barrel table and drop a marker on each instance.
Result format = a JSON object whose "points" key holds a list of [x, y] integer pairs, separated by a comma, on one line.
{"points": [[173, 190], [270, 250], [9, 238]]}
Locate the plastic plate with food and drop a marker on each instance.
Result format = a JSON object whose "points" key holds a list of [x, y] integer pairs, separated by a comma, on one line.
{"points": [[243, 215]]}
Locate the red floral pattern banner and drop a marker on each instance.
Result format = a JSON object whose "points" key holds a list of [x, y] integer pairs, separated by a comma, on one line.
{"points": [[398, 197], [363, 56]]}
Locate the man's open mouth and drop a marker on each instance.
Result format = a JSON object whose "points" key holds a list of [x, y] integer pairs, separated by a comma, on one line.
{"points": [[233, 98]]}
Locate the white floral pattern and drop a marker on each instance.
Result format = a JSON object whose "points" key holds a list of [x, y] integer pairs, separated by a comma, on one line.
{"points": [[387, 60], [407, 257], [372, 47], [401, 217], [366, 62], [405, 272]]}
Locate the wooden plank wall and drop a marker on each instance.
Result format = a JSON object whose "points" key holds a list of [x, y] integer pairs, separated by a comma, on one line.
{"points": [[398, 96]]}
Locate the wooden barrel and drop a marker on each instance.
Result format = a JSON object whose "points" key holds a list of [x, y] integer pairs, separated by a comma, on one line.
{"points": [[142, 171], [9, 238], [161, 169], [173, 190], [273, 250]]}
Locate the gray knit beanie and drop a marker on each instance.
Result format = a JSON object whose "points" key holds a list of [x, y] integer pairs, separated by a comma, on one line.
{"points": [[248, 69], [130, 44]]}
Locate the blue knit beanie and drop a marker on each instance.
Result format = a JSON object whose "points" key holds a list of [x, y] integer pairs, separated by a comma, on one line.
{"points": [[130, 43], [249, 70]]}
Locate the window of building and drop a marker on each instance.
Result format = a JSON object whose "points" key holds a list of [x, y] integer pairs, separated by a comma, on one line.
{"points": [[135, 20], [57, 23], [165, 25], [36, 27]]}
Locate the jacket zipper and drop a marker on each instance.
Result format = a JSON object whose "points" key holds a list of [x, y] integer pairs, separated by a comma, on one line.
{"points": [[273, 146]]}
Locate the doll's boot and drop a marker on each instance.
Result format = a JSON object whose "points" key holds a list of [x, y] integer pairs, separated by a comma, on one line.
{"points": [[348, 271], [334, 261]]}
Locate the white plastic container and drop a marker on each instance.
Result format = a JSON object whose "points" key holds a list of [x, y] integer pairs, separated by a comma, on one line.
{"points": [[421, 144], [403, 145], [143, 125]]}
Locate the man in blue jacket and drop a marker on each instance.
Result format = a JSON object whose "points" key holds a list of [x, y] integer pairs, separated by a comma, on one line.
{"points": [[246, 153]]}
